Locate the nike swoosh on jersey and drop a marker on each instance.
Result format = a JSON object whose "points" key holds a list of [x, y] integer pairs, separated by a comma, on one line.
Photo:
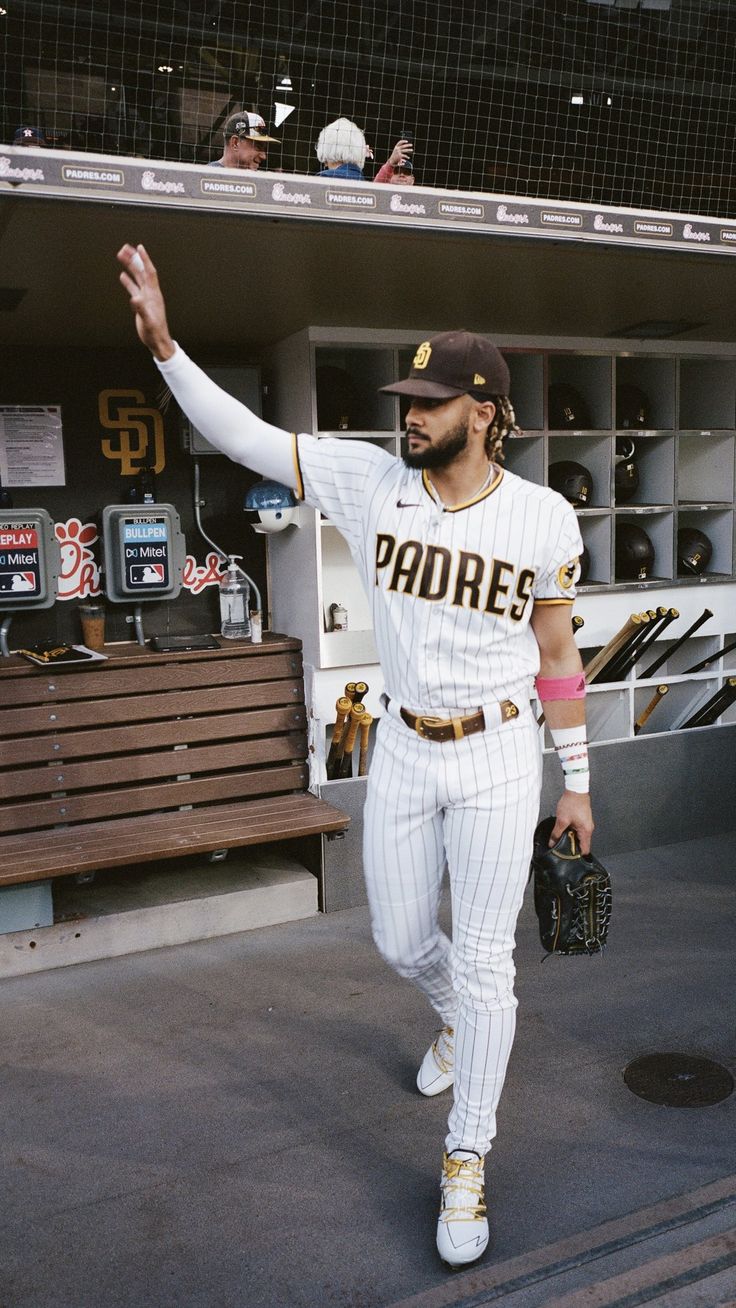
{"points": [[404, 504]]}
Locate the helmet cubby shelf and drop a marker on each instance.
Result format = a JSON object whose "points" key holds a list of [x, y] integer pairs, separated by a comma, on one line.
{"points": [[640, 436]]}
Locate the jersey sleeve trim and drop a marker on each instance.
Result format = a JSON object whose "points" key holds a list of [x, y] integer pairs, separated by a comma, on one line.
{"points": [[553, 601], [299, 488]]}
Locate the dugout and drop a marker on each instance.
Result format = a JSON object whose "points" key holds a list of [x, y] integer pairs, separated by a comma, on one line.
{"points": [[293, 274]]}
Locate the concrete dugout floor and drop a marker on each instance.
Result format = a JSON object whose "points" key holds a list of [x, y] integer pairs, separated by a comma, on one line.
{"points": [[235, 1122]]}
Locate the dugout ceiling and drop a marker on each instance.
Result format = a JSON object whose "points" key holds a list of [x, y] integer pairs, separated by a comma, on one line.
{"points": [[249, 280]]}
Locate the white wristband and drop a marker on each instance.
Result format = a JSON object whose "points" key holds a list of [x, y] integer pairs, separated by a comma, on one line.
{"points": [[571, 745]]}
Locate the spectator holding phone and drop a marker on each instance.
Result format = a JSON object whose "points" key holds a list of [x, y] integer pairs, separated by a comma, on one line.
{"points": [[342, 150]]}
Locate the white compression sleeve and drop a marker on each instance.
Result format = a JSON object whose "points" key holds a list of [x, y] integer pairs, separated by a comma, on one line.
{"points": [[227, 424]]}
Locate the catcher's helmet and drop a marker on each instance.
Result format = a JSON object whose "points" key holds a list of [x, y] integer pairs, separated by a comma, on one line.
{"points": [[571, 480], [273, 503], [634, 552], [633, 409], [337, 400], [626, 471], [567, 408], [694, 551]]}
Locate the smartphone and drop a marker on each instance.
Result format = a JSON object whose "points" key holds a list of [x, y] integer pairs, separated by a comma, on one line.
{"points": [[408, 166]]}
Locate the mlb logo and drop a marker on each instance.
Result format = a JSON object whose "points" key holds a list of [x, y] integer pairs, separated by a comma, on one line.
{"points": [[24, 581], [148, 574], [18, 582]]}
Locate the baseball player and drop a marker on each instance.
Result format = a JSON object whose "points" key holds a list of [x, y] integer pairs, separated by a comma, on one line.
{"points": [[471, 573]]}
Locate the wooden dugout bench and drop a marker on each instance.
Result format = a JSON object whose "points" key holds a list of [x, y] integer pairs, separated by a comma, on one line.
{"points": [[153, 756]]}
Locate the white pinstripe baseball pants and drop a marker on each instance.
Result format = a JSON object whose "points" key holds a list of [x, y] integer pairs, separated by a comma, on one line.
{"points": [[473, 804]]}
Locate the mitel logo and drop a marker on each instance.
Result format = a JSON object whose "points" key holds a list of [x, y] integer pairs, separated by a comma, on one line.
{"points": [[692, 234], [13, 174], [506, 215], [602, 224], [279, 192], [397, 205], [149, 182]]}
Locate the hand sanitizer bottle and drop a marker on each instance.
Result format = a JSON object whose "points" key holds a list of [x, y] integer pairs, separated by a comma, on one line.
{"points": [[234, 602]]}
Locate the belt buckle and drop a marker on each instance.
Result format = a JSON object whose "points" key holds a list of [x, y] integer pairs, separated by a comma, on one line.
{"points": [[425, 720]]}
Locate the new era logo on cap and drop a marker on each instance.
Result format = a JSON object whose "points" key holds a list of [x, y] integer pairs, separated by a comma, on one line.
{"points": [[249, 127], [455, 363]]}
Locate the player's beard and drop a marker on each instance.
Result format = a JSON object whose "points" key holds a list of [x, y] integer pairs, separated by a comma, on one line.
{"points": [[440, 453]]}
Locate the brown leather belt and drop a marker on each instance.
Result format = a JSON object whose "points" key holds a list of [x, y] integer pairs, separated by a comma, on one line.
{"points": [[445, 729]]}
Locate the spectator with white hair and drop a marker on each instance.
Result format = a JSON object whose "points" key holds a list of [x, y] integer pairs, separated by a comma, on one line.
{"points": [[342, 150]]}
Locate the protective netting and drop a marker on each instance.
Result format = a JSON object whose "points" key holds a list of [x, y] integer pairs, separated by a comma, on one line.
{"points": [[608, 101]]}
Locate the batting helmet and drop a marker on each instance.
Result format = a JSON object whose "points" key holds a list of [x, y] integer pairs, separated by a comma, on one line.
{"points": [[634, 552], [626, 471], [571, 480], [273, 503], [633, 409], [694, 551], [567, 408]]}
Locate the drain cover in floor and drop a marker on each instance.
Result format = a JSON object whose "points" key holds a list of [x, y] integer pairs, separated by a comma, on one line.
{"points": [[678, 1080]]}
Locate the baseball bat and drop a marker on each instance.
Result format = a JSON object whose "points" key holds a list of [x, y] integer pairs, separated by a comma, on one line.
{"points": [[698, 667], [345, 765], [706, 715], [577, 623], [656, 665], [609, 671], [662, 619], [365, 727], [599, 660], [342, 708], [725, 700], [350, 690], [360, 692], [644, 716]]}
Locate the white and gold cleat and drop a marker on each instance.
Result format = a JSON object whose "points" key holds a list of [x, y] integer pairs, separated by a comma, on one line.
{"points": [[437, 1072], [462, 1229]]}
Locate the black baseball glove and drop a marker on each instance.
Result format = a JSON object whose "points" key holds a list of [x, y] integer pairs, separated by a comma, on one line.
{"points": [[572, 894]]}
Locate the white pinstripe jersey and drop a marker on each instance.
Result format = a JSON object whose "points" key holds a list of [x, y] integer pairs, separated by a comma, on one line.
{"points": [[451, 589]]}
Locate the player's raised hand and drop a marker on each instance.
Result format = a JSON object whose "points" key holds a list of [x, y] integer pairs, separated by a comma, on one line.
{"points": [[140, 280]]}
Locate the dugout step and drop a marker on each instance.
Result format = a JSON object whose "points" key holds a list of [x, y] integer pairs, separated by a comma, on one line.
{"points": [[129, 910]]}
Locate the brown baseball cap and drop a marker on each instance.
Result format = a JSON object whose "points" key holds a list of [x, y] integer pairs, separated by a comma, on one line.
{"points": [[455, 363]]}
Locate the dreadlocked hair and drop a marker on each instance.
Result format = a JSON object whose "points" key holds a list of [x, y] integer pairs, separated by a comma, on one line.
{"points": [[504, 424]]}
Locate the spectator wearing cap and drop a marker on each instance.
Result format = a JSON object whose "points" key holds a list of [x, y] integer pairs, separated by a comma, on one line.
{"points": [[30, 136], [342, 150], [245, 138]]}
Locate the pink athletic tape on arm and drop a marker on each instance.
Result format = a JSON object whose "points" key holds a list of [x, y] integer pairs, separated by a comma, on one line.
{"points": [[561, 687]]}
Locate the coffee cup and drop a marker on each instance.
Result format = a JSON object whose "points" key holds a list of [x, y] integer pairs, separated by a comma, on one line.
{"points": [[92, 617]]}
